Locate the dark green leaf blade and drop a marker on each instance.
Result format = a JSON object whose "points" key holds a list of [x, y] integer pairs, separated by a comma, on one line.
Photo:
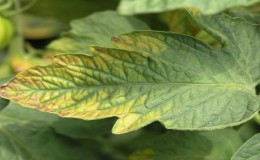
{"points": [[176, 145], [26, 134], [80, 129], [205, 6], [3, 103]]}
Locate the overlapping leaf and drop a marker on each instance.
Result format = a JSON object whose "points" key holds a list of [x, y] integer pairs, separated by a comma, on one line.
{"points": [[4, 102], [27, 134], [188, 145], [250, 150], [79, 129], [66, 10], [248, 130], [249, 16], [205, 6], [96, 29], [153, 76]]}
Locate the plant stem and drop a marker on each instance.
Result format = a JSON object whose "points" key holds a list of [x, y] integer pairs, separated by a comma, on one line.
{"points": [[257, 118]]}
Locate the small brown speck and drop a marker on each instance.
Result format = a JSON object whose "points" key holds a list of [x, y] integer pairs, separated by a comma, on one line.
{"points": [[115, 39]]}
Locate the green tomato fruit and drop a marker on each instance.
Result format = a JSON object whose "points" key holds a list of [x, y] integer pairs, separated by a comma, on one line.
{"points": [[6, 31]]}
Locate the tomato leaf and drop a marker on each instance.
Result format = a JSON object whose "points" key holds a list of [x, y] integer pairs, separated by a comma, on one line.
{"points": [[243, 12], [176, 145], [248, 130], [80, 129], [96, 29], [28, 134], [249, 150], [153, 76], [3, 103], [205, 6]]}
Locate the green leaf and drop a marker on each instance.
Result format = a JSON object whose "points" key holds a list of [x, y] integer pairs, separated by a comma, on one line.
{"points": [[25, 134], [204, 6], [242, 12], [235, 35], [65, 10], [248, 130], [153, 76], [79, 129], [250, 150], [28, 115], [176, 145], [96, 29], [3, 103]]}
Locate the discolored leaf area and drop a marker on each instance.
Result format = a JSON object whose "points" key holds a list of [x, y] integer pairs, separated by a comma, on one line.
{"points": [[23, 130], [3, 102], [204, 6], [96, 29], [153, 76], [176, 145], [249, 150]]}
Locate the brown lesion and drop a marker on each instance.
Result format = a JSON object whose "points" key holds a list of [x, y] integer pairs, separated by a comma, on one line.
{"points": [[115, 39], [3, 92]]}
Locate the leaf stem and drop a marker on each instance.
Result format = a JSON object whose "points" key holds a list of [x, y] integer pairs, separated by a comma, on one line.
{"points": [[257, 118]]}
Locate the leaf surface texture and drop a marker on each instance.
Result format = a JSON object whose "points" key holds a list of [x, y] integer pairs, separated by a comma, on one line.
{"points": [[153, 76], [204, 6]]}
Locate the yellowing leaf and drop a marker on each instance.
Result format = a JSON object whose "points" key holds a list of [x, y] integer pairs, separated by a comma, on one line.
{"points": [[153, 76], [204, 6], [3, 102]]}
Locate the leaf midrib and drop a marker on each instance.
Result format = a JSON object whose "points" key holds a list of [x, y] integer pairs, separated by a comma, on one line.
{"points": [[167, 84]]}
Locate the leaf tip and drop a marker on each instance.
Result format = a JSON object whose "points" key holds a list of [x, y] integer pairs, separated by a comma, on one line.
{"points": [[117, 131], [119, 127], [126, 124]]}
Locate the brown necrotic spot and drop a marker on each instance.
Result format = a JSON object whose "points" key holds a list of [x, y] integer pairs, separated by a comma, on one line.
{"points": [[115, 39]]}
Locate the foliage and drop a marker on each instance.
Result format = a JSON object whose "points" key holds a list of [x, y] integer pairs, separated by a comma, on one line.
{"points": [[249, 150], [96, 29], [152, 80], [207, 7], [200, 77], [184, 146]]}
